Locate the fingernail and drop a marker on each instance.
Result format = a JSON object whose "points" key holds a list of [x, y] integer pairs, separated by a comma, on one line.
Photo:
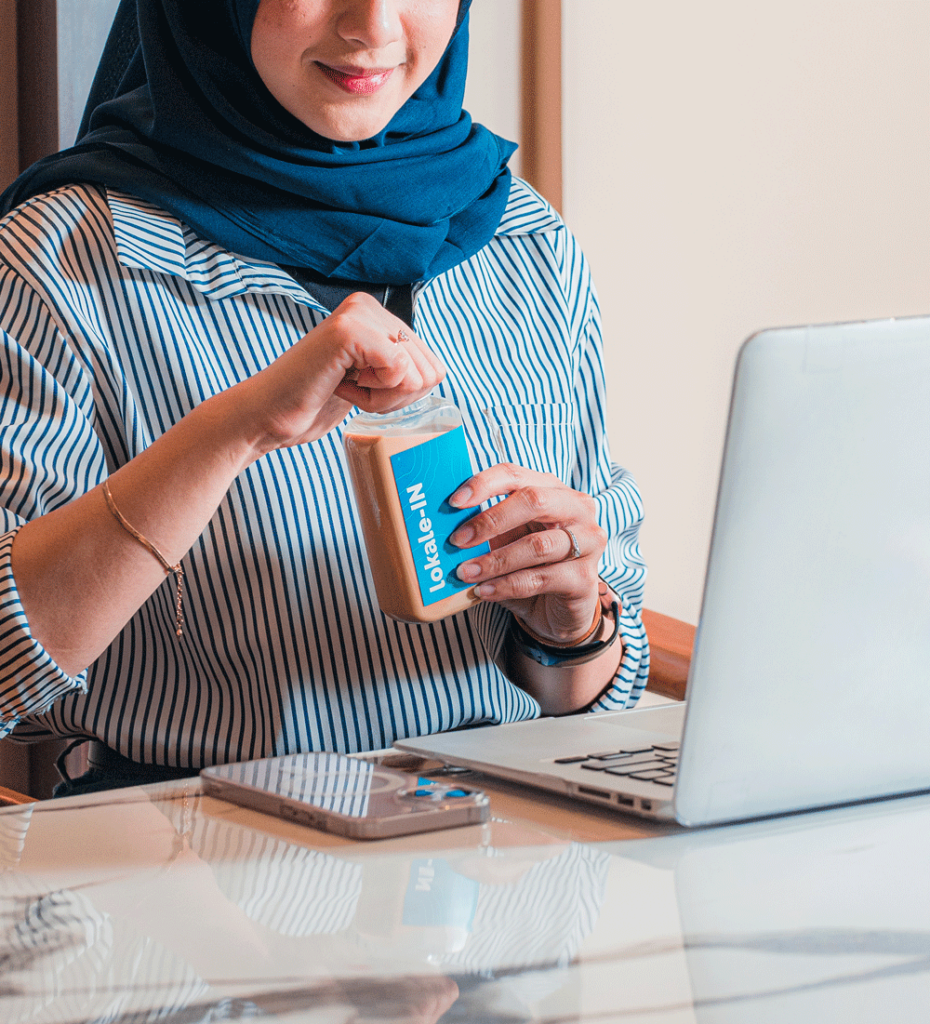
{"points": [[462, 497], [469, 571], [463, 536], [484, 590]]}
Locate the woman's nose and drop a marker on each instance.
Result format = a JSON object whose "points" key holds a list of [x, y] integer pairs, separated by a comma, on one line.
{"points": [[370, 23]]}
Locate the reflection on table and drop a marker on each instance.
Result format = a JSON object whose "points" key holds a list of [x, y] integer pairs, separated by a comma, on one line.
{"points": [[160, 904]]}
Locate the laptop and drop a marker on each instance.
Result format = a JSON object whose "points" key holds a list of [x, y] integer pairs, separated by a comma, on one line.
{"points": [[810, 678]]}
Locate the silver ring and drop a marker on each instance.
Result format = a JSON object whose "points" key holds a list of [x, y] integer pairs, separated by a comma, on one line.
{"points": [[576, 551], [402, 335]]}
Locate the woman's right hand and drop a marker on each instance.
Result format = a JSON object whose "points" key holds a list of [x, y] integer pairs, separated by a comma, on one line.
{"points": [[360, 355]]}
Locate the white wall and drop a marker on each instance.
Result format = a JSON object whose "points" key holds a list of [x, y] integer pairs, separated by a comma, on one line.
{"points": [[492, 95], [732, 165]]}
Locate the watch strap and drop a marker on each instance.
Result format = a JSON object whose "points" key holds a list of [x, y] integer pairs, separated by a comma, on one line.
{"points": [[550, 655]]}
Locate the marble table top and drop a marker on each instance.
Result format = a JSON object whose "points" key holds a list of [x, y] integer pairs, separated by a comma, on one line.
{"points": [[160, 904]]}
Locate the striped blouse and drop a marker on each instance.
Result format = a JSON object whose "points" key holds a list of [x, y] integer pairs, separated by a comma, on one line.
{"points": [[116, 320]]}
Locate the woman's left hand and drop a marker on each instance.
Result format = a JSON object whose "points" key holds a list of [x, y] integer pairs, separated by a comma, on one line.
{"points": [[545, 547]]}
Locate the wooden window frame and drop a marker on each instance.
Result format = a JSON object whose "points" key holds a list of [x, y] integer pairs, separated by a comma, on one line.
{"points": [[541, 97]]}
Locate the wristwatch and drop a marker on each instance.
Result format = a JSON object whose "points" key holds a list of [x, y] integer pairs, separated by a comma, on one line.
{"points": [[549, 655]]}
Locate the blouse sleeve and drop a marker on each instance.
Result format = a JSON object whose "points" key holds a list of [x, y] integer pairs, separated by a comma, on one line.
{"points": [[49, 455], [30, 681]]}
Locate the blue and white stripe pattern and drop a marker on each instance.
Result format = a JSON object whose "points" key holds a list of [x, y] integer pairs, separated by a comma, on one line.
{"points": [[115, 321]]}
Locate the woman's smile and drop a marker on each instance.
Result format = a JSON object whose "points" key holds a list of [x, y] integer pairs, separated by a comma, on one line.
{"points": [[360, 81]]}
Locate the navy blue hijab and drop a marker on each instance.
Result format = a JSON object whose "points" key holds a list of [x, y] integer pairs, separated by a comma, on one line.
{"points": [[183, 120]]}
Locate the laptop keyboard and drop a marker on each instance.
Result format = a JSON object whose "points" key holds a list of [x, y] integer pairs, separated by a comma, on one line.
{"points": [[656, 762]]}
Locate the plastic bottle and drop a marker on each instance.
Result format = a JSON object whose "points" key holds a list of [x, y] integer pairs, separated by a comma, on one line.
{"points": [[404, 466]]}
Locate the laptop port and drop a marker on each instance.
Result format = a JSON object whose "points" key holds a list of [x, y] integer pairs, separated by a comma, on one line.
{"points": [[646, 805], [588, 791], [626, 801]]}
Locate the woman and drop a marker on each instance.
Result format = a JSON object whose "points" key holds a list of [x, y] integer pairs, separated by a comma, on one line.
{"points": [[284, 216]]}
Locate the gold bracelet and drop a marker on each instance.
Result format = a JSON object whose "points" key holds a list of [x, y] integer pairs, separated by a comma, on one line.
{"points": [[599, 613], [165, 564]]}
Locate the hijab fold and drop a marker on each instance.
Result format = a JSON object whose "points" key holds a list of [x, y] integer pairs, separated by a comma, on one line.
{"points": [[179, 116]]}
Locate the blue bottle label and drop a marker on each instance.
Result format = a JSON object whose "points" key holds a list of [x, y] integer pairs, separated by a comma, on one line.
{"points": [[426, 475]]}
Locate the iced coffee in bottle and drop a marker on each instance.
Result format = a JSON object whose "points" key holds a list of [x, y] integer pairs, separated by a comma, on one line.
{"points": [[404, 466]]}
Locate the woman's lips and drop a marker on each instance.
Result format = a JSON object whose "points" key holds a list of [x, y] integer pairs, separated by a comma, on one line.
{"points": [[359, 81]]}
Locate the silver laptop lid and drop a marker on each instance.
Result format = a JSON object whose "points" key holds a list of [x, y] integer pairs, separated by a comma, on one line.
{"points": [[810, 681]]}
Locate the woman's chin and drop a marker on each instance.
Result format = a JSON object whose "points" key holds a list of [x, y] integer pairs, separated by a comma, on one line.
{"points": [[349, 127]]}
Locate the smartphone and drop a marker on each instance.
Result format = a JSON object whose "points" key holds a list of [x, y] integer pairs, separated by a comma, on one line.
{"points": [[345, 795]]}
